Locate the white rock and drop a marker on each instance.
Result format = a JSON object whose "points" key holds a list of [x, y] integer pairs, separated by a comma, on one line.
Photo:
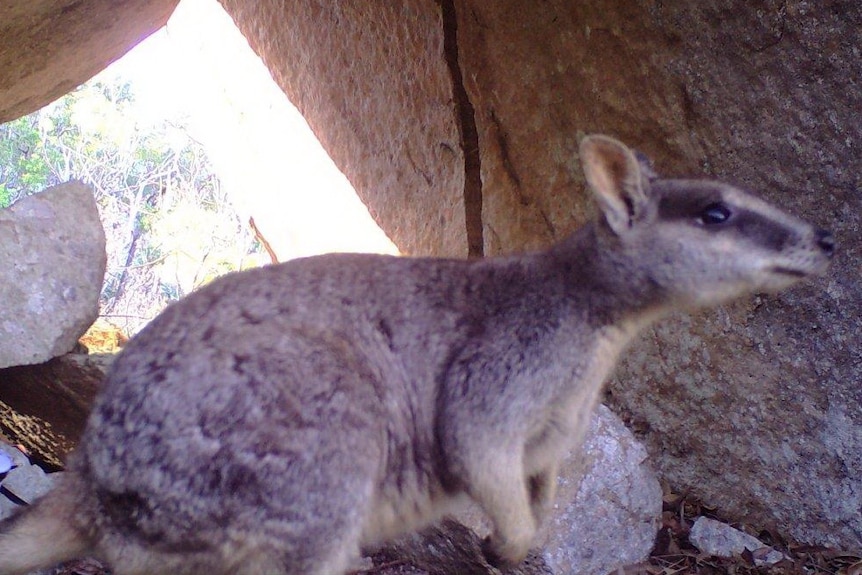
{"points": [[609, 518], [18, 458], [19, 461], [717, 538], [5, 462], [52, 265], [28, 483]]}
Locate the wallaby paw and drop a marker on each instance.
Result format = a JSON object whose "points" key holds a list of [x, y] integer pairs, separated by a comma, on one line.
{"points": [[497, 556]]}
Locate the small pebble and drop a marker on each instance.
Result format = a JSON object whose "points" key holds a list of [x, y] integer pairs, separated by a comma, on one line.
{"points": [[717, 538]]}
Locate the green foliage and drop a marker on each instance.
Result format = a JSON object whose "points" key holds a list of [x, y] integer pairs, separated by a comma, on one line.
{"points": [[162, 206], [5, 197], [23, 166]]}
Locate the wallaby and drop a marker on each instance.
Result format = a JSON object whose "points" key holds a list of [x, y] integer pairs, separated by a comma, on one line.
{"points": [[279, 420]]}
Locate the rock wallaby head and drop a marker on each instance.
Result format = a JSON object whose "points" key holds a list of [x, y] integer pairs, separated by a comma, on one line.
{"points": [[282, 419]]}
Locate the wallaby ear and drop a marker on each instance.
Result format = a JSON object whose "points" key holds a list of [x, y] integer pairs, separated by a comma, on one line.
{"points": [[614, 175]]}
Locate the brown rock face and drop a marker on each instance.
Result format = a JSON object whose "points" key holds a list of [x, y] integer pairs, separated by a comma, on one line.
{"points": [[756, 407], [44, 407], [542, 79], [48, 47], [372, 81]]}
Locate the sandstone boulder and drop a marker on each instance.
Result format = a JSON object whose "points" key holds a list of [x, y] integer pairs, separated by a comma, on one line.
{"points": [[48, 47], [373, 84], [52, 264], [44, 407]]}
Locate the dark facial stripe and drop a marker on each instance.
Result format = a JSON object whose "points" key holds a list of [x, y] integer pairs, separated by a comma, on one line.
{"points": [[687, 205], [761, 230]]}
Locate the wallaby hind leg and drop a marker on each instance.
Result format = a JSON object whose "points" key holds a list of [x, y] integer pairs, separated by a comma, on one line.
{"points": [[293, 530], [265, 543], [325, 547]]}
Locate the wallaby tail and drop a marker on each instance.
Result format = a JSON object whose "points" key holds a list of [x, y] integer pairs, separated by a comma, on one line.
{"points": [[43, 534]]}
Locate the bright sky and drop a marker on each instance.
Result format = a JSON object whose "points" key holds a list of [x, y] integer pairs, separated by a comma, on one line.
{"points": [[200, 72]]}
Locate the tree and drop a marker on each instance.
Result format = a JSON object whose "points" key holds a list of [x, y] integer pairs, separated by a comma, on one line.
{"points": [[168, 223], [23, 167]]}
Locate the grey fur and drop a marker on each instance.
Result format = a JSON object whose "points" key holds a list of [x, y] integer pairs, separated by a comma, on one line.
{"points": [[283, 418]]}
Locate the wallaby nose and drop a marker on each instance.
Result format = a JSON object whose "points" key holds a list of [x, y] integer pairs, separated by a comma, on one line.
{"points": [[826, 242]]}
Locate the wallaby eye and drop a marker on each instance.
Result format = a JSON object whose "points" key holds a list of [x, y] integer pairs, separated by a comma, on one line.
{"points": [[716, 213]]}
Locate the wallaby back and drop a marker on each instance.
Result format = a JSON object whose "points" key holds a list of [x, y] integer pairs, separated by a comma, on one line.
{"points": [[280, 419]]}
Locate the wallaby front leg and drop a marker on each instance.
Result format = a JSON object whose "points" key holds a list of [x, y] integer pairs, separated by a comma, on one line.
{"points": [[543, 489], [502, 492]]}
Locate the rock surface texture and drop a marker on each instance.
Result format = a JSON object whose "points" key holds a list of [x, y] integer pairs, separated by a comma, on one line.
{"points": [[716, 538], [25, 482], [373, 84], [49, 47], [754, 408], [44, 407], [610, 518], [52, 264]]}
